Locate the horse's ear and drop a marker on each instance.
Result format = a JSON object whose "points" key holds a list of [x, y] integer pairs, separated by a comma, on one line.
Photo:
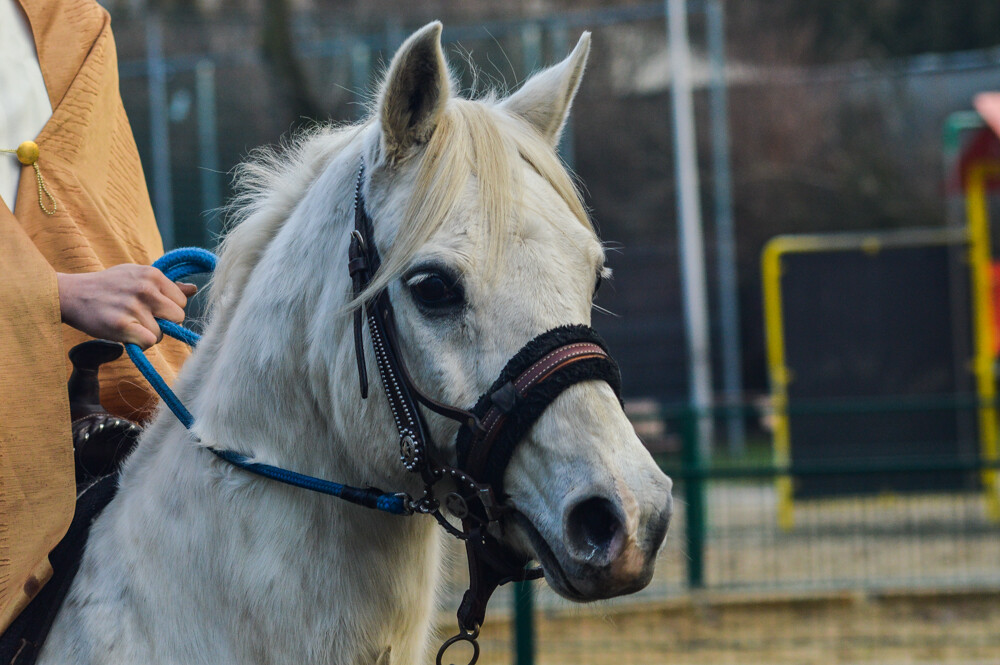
{"points": [[545, 99], [414, 93]]}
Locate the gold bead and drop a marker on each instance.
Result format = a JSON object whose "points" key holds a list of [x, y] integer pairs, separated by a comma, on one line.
{"points": [[27, 153]]}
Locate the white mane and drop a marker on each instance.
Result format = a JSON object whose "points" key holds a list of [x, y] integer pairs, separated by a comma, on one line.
{"points": [[268, 185], [474, 139]]}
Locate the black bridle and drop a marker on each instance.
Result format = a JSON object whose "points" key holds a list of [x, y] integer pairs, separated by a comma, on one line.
{"points": [[488, 433]]}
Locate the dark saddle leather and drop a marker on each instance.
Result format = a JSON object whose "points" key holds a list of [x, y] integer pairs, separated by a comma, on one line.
{"points": [[101, 441]]}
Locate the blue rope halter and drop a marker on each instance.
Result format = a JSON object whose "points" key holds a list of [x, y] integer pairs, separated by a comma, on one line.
{"points": [[186, 261]]}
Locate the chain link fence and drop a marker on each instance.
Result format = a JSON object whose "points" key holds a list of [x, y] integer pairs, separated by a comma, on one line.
{"points": [[880, 577]]}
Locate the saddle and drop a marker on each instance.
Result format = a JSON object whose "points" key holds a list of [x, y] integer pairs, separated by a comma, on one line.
{"points": [[101, 442]]}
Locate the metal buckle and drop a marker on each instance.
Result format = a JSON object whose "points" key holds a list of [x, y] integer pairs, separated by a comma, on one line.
{"points": [[407, 501], [488, 500]]}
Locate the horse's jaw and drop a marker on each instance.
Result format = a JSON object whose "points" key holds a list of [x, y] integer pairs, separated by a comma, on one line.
{"points": [[574, 486]]}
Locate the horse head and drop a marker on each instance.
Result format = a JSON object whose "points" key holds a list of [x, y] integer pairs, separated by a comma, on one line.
{"points": [[487, 247]]}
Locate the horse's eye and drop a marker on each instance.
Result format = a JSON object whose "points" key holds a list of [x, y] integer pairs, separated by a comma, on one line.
{"points": [[436, 290]]}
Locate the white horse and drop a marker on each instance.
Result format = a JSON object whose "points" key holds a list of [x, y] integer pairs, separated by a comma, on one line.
{"points": [[196, 561]]}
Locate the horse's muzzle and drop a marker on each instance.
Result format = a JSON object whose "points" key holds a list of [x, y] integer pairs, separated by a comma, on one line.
{"points": [[603, 552]]}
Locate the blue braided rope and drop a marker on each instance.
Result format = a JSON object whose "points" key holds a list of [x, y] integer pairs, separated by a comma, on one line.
{"points": [[159, 385], [186, 335], [178, 264], [390, 503], [185, 261]]}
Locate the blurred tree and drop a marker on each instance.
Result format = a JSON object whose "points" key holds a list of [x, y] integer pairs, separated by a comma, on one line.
{"points": [[877, 28], [278, 47]]}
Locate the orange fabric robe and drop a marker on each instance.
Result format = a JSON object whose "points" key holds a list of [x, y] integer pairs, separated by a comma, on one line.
{"points": [[90, 164]]}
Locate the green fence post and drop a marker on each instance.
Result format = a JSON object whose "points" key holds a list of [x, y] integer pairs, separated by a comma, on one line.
{"points": [[694, 495], [524, 624], [361, 67]]}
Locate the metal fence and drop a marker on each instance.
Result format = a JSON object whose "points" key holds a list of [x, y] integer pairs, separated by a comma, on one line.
{"points": [[880, 577], [198, 114]]}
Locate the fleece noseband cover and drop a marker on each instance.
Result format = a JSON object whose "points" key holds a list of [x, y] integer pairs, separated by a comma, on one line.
{"points": [[530, 382]]}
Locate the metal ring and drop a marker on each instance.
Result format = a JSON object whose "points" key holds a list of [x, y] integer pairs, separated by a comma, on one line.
{"points": [[462, 636], [456, 505], [357, 236]]}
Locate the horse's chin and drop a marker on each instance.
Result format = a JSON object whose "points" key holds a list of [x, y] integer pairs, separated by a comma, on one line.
{"points": [[569, 580], [543, 554]]}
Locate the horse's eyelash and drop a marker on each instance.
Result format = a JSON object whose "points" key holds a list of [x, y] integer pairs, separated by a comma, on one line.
{"points": [[420, 273], [417, 277]]}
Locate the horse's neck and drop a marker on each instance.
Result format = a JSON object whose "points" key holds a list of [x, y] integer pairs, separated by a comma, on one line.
{"points": [[263, 565], [295, 573], [310, 574]]}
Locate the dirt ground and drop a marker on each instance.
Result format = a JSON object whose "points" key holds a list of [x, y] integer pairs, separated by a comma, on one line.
{"points": [[891, 628], [929, 568]]}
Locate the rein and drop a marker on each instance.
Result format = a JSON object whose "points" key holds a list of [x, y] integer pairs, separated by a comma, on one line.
{"points": [[178, 264], [487, 437]]}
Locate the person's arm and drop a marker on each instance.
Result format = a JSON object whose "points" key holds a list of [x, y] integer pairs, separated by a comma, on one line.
{"points": [[120, 303]]}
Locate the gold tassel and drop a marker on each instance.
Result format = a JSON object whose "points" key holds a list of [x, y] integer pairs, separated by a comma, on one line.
{"points": [[27, 154]]}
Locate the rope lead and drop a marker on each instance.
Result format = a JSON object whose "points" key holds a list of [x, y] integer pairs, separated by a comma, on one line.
{"points": [[186, 261]]}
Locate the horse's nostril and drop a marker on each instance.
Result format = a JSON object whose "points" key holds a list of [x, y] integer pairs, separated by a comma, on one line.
{"points": [[594, 530]]}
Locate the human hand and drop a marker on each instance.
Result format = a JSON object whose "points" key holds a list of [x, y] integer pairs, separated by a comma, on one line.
{"points": [[120, 303]]}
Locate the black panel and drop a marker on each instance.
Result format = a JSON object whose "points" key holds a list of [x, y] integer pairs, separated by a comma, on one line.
{"points": [[890, 324]]}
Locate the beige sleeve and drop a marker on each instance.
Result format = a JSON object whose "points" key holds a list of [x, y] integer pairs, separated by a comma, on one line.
{"points": [[37, 485]]}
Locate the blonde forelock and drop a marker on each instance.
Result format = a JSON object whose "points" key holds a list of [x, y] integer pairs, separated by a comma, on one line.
{"points": [[474, 139]]}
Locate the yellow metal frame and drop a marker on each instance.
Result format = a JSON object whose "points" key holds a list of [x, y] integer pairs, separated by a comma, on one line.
{"points": [[976, 235], [775, 331], [978, 216]]}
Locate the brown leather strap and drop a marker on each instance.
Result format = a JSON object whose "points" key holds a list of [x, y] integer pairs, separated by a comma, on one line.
{"points": [[539, 371]]}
